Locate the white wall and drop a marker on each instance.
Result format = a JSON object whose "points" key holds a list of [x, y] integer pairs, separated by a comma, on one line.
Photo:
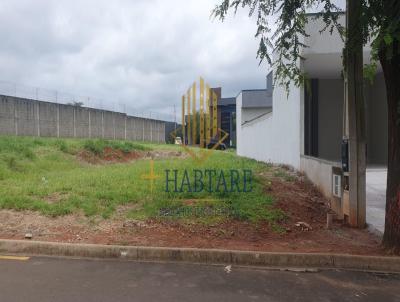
{"points": [[287, 127], [279, 137], [250, 113], [240, 150], [256, 139], [322, 43], [319, 171], [274, 137]]}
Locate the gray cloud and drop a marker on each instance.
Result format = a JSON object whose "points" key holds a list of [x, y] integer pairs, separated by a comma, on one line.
{"points": [[143, 53]]}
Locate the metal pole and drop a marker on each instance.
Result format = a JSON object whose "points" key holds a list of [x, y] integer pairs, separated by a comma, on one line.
{"points": [[183, 121], [189, 117], [201, 113], [194, 110]]}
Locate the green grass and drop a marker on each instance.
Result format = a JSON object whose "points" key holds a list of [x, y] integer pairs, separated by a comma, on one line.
{"points": [[45, 175], [281, 173], [97, 146]]}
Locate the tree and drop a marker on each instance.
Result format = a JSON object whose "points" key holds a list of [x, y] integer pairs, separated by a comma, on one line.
{"points": [[379, 23]]}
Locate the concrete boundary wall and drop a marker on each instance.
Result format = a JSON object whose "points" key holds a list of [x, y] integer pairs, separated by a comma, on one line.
{"points": [[26, 117], [320, 172]]}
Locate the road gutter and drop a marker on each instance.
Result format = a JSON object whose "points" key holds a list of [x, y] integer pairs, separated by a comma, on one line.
{"points": [[204, 256]]}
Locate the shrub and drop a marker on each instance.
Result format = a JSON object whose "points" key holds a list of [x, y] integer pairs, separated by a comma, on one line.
{"points": [[95, 146], [62, 146]]}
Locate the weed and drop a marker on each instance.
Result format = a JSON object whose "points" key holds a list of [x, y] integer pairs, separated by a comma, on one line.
{"points": [[97, 146], [50, 169], [12, 163], [62, 146]]}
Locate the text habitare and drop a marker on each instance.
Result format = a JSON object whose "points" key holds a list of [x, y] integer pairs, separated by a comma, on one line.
{"points": [[208, 180]]}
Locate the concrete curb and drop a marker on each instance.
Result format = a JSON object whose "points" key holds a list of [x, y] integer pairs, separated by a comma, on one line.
{"points": [[206, 256]]}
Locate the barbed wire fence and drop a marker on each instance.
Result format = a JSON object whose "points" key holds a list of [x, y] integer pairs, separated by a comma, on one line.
{"points": [[55, 96]]}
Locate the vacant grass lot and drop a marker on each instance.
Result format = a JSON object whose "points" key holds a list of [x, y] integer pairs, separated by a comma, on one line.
{"points": [[50, 176]]}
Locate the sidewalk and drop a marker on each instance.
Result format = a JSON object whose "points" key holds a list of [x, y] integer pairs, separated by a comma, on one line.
{"points": [[376, 197]]}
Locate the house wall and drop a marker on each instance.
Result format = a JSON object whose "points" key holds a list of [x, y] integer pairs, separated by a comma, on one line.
{"points": [[330, 115], [330, 118], [251, 113], [274, 137], [256, 140], [287, 125], [324, 43], [320, 172]]}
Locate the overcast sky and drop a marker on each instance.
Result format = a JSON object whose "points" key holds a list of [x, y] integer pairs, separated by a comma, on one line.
{"points": [[141, 53]]}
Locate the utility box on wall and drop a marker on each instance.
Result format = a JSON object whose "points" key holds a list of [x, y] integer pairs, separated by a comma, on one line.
{"points": [[345, 155], [337, 191], [337, 185], [346, 203]]}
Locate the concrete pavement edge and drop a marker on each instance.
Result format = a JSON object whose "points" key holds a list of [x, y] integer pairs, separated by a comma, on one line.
{"points": [[205, 256]]}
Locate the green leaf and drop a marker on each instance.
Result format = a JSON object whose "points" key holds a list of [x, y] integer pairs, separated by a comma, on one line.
{"points": [[388, 39], [370, 71]]}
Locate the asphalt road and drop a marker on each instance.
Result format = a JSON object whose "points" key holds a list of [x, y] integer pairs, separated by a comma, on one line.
{"points": [[53, 279]]}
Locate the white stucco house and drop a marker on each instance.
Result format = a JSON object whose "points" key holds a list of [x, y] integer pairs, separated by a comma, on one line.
{"points": [[305, 129]]}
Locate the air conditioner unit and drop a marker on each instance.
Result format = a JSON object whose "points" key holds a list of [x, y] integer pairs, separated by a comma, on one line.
{"points": [[337, 185]]}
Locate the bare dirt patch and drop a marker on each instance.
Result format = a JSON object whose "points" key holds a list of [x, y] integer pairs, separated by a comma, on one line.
{"points": [[55, 197], [111, 155], [165, 154], [301, 201]]}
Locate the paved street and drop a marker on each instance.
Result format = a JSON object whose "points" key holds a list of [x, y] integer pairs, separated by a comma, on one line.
{"points": [[52, 279], [376, 197]]}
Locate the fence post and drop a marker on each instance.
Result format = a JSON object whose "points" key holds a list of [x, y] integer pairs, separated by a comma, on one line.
{"points": [[90, 127], [151, 130], [102, 124], [125, 126], [38, 118], [16, 117], [58, 120], [133, 128], [158, 132], [74, 120], [163, 134], [143, 130], [114, 124]]}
